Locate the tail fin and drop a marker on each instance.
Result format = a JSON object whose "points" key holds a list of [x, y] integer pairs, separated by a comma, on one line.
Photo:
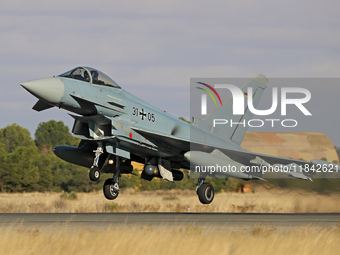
{"points": [[236, 132]]}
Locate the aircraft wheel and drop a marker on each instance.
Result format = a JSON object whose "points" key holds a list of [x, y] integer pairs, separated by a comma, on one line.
{"points": [[94, 174], [206, 193], [109, 191]]}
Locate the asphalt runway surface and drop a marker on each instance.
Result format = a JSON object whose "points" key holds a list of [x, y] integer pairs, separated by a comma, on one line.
{"points": [[223, 221]]}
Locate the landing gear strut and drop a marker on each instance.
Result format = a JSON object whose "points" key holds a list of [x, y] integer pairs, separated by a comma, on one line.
{"points": [[111, 185], [205, 191], [94, 173]]}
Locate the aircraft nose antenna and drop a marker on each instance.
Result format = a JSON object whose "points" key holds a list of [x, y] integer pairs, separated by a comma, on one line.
{"points": [[50, 90]]}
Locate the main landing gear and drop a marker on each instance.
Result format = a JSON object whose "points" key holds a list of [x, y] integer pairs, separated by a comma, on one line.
{"points": [[111, 185], [111, 189], [205, 191]]}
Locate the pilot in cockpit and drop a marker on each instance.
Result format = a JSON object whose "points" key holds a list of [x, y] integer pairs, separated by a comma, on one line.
{"points": [[86, 76], [94, 75]]}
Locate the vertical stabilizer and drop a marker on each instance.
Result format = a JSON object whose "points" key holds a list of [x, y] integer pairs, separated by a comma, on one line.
{"points": [[237, 125]]}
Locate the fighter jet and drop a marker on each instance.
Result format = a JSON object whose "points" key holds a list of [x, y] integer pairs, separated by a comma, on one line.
{"points": [[116, 128]]}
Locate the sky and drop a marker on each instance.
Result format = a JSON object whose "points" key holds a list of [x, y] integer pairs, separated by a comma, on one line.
{"points": [[152, 49]]}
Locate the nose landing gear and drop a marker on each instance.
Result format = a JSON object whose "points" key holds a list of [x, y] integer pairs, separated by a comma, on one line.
{"points": [[94, 173]]}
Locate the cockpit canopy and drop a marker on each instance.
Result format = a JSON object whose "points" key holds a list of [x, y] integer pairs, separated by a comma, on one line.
{"points": [[91, 75]]}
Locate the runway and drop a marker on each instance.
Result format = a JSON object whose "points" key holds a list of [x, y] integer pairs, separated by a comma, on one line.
{"points": [[96, 221]]}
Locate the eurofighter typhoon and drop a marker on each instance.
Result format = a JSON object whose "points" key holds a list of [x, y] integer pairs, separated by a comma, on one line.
{"points": [[116, 128]]}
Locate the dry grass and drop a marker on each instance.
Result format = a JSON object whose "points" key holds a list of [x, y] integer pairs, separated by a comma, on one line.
{"points": [[262, 201], [182, 240], [185, 239]]}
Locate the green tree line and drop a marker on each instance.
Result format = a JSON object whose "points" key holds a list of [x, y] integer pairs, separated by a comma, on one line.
{"points": [[28, 165]]}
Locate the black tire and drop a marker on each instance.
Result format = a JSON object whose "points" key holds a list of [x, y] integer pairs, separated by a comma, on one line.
{"points": [[108, 190], [206, 193], [94, 174]]}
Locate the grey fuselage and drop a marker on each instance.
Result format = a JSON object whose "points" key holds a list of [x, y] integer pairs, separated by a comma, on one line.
{"points": [[128, 113]]}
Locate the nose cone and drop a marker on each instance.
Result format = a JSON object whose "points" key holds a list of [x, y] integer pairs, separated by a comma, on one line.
{"points": [[50, 90]]}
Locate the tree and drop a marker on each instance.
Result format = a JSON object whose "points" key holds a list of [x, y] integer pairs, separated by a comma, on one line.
{"points": [[14, 136], [18, 155], [44, 164], [52, 133], [19, 169], [2, 170]]}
